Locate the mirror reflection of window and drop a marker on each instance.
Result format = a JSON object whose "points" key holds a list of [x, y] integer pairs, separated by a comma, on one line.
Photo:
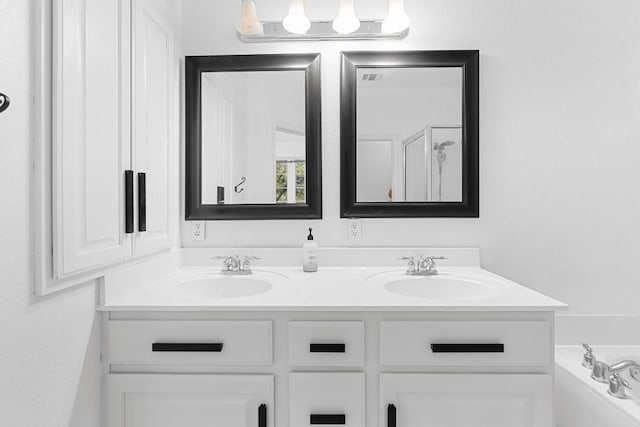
{"points": [[422, 161], [290, 183], [253, 126]]}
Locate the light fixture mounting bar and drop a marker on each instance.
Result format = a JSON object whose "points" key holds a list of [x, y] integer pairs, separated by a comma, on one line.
{"points": [[321, 30]]}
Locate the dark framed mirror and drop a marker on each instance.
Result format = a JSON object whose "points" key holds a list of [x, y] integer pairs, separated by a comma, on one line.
{"points": [[253, 137], [409, 134]]}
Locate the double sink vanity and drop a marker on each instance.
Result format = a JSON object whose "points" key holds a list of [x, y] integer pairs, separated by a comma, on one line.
{"points": [[364, 344], [360, 343]]}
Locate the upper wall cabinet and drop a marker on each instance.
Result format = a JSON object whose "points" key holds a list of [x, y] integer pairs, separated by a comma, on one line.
{"points": [[253, 139], [113, 123], [155, 122], [91, 134], [409, 134]]}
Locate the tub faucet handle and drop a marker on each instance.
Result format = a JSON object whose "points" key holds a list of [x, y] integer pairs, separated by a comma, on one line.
{"points": [[618, 386], [589, 358]]}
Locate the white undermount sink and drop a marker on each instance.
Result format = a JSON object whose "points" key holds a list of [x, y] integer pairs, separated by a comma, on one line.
{"points": [[439, 287], [219, 286]]}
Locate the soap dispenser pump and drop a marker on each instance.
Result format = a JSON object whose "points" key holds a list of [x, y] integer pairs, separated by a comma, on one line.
{"points": [[310, 254]]}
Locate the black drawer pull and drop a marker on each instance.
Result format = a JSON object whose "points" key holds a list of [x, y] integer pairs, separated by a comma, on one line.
{"points": [[262, 415], [128, 201], [391, 415], [467, 348], [328, 419], [327, 348], [142, 202], [209, 347]]}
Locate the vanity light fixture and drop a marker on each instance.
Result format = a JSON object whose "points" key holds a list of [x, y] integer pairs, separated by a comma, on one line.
{"points": [[296, 21], [346, 22], [298, 27], [397, 19], [248, 24]]}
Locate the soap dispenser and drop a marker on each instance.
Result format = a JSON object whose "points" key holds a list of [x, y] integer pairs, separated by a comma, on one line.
{"points": [[310, 254]]}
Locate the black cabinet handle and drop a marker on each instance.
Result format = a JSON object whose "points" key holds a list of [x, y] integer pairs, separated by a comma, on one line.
{"points": [[209, 347], [142, 201], [327, 348], [327, 419], [128, 201], [262, 415], [391, 415], [467, 348]]}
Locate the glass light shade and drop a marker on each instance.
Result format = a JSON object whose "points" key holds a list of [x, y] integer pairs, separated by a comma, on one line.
{"points": [[248, 24], [397, 19], [346, 21], [297, 21]]}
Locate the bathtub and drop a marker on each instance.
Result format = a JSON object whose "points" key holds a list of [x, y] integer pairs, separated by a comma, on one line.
{"points": [[582, 402]]}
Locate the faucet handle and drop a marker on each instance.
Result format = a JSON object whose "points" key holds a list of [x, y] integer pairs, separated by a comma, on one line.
{"points": [[624, 382], [589, 359], [618, 386], [411, 268], [252, 258]]}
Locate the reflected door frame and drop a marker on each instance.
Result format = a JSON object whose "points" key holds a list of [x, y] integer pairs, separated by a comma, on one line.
{"points": [[397, 178]]}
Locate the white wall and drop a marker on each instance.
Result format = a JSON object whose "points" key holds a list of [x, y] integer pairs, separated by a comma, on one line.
{"points": [[48, 354], [50, 348], [559, 135]]}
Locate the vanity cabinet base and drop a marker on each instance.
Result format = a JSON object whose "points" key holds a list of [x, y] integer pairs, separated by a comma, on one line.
{"points": [[190, 400], [355, 369], [470, 400]]}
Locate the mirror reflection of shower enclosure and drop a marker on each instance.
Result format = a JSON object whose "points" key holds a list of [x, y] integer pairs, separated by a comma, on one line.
{"points": [[404, 152], [432, 164]]}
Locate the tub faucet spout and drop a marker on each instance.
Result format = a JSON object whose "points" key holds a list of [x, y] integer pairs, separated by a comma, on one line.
{"points": [[602, 372]]}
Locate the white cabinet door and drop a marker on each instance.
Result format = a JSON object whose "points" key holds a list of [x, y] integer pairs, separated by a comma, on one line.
{"points": [[469, 400], [154, 118], [189, 400], [91, 133]]}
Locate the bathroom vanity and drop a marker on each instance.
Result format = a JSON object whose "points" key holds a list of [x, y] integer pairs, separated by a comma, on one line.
{"points": [[353, 345]]}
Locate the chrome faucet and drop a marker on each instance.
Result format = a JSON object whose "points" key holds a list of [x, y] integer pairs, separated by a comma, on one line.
{"points": [[235, 266], [425, 266], [602, 372]]}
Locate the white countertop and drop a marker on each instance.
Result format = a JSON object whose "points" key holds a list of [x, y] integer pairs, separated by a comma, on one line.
{"points": [[330, 289]]}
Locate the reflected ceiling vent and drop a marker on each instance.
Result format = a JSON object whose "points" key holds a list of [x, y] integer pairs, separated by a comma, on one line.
{"points": [[372, 77]]}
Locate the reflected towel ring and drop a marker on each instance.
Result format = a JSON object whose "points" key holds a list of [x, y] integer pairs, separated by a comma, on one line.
{"points": [[4, 102], [242, 181]]}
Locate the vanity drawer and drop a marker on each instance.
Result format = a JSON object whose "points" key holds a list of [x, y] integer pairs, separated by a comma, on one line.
{"points": [[464, 343], [196, 342], [326, 399], [326, 343]]}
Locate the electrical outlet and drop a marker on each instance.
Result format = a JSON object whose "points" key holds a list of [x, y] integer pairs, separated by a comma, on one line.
{"points": [[198, 230], [355, 230]]}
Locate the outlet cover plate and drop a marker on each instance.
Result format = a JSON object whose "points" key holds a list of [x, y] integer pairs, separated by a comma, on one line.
{"points": [[354, 232], [198, 230]]}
